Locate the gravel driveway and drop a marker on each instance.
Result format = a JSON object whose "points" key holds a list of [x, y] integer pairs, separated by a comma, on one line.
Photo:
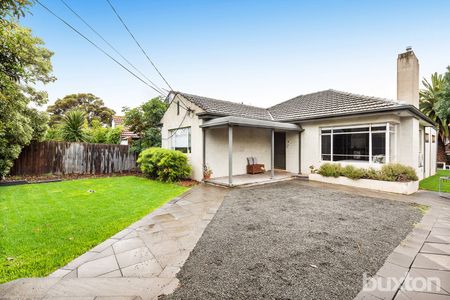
{"points": [[293, 241]]}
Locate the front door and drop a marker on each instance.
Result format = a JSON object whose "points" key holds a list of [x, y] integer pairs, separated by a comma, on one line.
{"points": [[280, 151]]}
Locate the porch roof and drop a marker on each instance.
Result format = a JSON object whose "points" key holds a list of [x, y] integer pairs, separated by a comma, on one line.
{"points": [[246, 122]]}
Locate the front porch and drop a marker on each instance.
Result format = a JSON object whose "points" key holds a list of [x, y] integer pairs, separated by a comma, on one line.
{"points": [[253, 179], [229, 141]]}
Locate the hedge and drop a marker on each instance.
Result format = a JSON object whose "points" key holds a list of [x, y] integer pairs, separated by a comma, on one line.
{"points": [[388, 172]]}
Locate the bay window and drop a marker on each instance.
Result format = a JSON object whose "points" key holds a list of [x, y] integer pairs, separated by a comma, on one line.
{"points": [[181, 139], [373, 143]]}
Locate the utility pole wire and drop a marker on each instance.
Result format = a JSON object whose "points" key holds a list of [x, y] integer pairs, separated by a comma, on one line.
{"points": [[111, 46], [139, 45], [95, 45]]}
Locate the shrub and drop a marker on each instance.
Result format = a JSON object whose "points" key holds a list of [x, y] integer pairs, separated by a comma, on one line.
{"points": [[371, 173], [389, 172], [330, 170], [164, 165], [397, 172], [352, 172]]}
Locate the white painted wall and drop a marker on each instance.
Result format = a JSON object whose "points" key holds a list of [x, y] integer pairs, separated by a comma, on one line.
{"points": [[292, 152], [171, 120], [246, 142]]}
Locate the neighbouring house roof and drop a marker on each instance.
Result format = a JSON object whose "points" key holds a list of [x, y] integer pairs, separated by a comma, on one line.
{"points": [[118, 120], [227, 108], [126, 133], [246, 122], [323, 104]]}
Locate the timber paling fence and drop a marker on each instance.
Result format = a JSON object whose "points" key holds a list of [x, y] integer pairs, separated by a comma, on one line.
{"points": [[53, 157]]}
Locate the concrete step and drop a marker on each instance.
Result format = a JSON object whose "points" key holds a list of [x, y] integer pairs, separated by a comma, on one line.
{"points": [[301, 177]]}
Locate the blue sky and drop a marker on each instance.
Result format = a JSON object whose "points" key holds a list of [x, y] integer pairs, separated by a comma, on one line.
{"points": [[256, 52]]}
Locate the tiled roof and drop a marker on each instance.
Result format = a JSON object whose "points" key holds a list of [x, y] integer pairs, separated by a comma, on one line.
{"points": [[127, 134], [227, 108], [328, 103], [118, 120], [315, 105]]}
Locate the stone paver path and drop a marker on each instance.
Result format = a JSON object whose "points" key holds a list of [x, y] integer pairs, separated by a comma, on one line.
{"points": [[140, 262], [424, 255]]}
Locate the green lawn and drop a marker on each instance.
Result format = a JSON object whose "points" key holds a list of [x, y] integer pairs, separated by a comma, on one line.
{"points": [[45, 226], [432, 183]]}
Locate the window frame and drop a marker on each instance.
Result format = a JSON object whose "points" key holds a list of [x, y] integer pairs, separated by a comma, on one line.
{"points": [[173, 135], [390, 128]]}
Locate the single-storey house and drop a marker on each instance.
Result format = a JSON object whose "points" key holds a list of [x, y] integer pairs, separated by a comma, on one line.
{"points": [[306, 131]]}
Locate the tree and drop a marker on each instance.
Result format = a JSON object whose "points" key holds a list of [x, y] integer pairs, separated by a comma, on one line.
{"points": [[435, 103], [24, 63], [93, 107], [430, 100], [144, 121], [72, 129]]}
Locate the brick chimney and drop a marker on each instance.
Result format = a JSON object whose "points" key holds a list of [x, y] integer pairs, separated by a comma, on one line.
{"points": [[408, 78]]}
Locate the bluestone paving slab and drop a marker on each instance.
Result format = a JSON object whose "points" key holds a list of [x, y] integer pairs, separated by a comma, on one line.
{"points": [[25, 287], [149, 268], [432, 261], [147, 288], [435, 248], [440, 231], [435, 238], [402, 295], [127, 244], [443, 277], [98, 267], [134, 256]]}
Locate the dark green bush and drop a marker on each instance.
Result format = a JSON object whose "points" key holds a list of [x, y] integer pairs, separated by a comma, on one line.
{"points": [[164, 164], [330, 170], [397, 172], [353, 172]]}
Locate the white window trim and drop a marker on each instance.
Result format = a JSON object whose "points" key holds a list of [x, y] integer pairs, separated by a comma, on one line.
{"points": [[370, 161], [171, 144]]}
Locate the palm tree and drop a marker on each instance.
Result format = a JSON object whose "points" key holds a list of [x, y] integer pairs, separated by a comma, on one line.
{"points": [[72, 126], [429, 98]]}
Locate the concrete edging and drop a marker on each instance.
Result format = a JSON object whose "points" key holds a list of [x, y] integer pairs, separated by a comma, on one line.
{"points": [[406, 188]]}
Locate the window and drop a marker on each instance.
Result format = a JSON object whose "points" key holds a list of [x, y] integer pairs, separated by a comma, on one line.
{"points": [[181, 139], [178, 108], [433, 138], [370, 143]]}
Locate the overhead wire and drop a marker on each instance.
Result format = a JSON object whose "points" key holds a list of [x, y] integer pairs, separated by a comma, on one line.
{"points": [[137, 43], [95, 45], [112, 47]]}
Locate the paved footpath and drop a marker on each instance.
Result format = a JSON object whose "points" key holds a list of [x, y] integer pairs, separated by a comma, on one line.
{"points": [[423, 256], [140, 262]]}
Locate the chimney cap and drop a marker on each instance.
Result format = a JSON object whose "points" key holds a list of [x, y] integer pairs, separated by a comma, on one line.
{"points": [[408, 48]]}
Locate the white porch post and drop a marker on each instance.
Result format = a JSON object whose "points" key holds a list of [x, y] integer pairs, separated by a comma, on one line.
{"points": [[272, 154], [230, 155], [204, 149]]}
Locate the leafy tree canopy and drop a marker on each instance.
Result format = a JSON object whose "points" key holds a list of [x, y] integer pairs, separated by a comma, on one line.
{"points": [[435, 102], [24, 62], [93, 107], [144, 121]]}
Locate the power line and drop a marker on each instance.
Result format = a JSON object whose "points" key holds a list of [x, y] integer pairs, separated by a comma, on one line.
{"points": [[95, 45], [111, 46], [139, 45], [178, 128]]}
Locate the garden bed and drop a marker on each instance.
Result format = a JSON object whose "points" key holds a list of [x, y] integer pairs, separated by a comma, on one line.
{"points": [[406, 188]]}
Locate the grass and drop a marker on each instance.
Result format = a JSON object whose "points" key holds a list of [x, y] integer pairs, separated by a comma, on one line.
{"points": [[45, 226], [432, 183]]}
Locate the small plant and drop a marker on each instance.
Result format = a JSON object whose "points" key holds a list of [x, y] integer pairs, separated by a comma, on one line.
{"points": [[207, 172], [164, 164], [352, 172], [312, 169], [330, 170]]}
